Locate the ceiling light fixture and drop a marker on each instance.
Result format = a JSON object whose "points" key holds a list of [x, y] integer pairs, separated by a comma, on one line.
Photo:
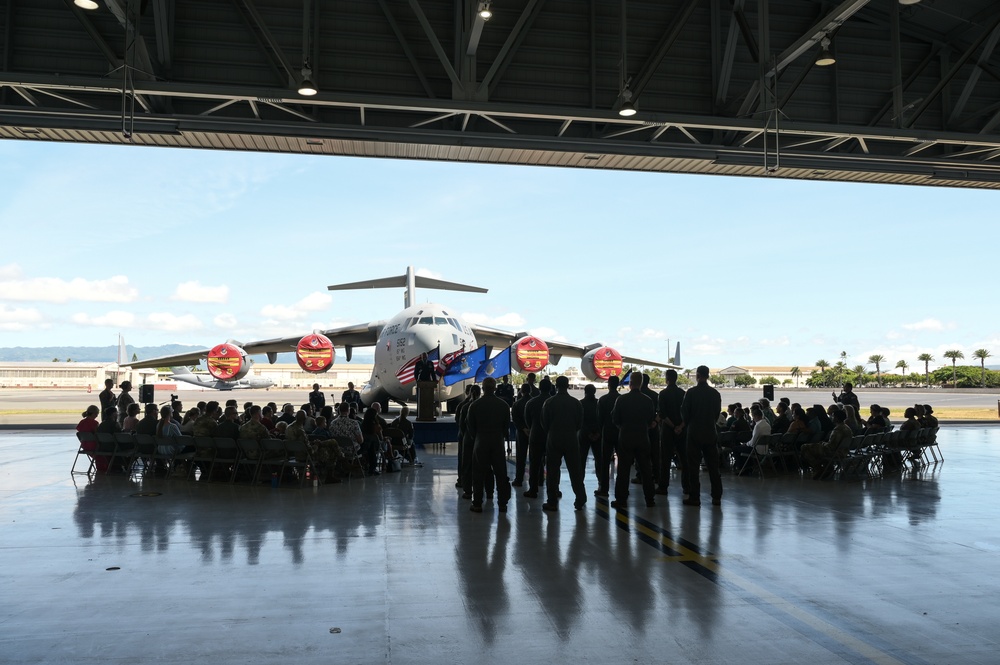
{"points": [[485, 12], [627, 109], [909, 2], [307, 88], [86, 4], [825, 57]]}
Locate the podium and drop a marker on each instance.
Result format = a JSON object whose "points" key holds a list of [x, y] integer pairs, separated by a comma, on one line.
{"points": [[425, 401]]}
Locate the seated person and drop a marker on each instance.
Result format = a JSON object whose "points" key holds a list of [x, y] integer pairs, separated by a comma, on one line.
{"points": [[131, 418], [818, 455], [875, 423], [401, 436], [761, 428], [800, 422], [348, 429], [929, 420], [852, 420], [321, 431], [781, 421]]}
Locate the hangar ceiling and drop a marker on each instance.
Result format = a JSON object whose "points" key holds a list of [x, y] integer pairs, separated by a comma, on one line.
{"points": [[720, 86]]}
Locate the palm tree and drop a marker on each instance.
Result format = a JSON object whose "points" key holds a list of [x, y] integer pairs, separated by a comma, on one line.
{"points": [[877, 359], [822, 364], [796, 373], [843, 357], [926, 359], [954, 354], [901, 364], [981, 355], [860, 371]]}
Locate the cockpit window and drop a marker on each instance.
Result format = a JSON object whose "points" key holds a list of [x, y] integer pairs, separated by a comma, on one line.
{"points": [[454, 324], [429, 320], [440, 321]]}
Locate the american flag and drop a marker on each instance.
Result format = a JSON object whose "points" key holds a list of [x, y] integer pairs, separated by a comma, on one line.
{"points": [[405, 373]]}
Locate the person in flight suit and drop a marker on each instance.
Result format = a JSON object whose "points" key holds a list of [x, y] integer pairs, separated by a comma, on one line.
{"points": [[536, 436], [699, 411], [609, 437], [562, 417], [590, 430], [521, 439], [487, 422], [668, 408], [634, 414]]}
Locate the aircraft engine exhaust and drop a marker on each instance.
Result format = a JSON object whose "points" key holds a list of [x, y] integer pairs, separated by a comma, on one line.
{"points": [[315, 353], [227, 362], [601, 363], [531, 354]]}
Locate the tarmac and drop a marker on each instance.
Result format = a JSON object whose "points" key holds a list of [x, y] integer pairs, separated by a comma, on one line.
{"points": [[396, 569]]}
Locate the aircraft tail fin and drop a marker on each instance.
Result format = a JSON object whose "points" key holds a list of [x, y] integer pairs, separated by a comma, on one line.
{"points": [[180, 370], [122, 352], [677, 355], [411, 281]]}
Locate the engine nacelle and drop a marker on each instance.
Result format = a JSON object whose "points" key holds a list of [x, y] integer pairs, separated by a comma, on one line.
{"points": [[315, 353], [227, 362], [531, 354], [601, 364]]}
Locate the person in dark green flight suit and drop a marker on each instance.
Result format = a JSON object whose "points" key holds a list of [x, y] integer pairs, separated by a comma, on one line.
{"points": [[609, 437], [668, 408], [521, 434], [699, 411], [536, 437], [487, 423], [634, 414], [562, 417]]}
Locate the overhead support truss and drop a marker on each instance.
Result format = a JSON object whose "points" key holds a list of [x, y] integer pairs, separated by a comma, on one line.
{"points": [[725, 86]]}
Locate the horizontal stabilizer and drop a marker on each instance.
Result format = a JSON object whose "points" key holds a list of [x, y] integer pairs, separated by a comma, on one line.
{"points": [[410, 281], [440, 284]]}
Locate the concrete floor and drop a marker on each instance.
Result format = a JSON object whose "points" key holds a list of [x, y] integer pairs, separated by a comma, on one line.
{"points": [[396, 569]]}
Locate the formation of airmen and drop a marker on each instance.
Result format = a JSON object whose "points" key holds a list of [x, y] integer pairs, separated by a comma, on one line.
{"points": [[642, 428]]}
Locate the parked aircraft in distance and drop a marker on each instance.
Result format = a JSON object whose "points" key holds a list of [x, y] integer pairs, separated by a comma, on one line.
{"points": [[249, 383], [398, 342]]}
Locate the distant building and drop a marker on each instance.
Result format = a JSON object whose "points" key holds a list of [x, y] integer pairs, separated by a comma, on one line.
{"points": [[758, 372], [63, 375]]}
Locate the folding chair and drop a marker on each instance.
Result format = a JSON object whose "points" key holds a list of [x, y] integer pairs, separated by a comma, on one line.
{"points": [[761, 453], [352, 460], [931, 444], [126, 450], [145, 451], [273, 456], [107, 445], [204, 455], [88, 444], [249, 458], [299, 458], [226, 453]]}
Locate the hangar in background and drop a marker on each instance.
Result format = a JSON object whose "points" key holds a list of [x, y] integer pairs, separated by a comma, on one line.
{"points": [[888, 91]]}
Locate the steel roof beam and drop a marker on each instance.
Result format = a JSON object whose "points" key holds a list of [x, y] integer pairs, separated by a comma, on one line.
{"points": [[510, 46], [974, 75], [407, 51], [272, 52], [95, 36], [726, 72], [435, 44], [667, 39]]}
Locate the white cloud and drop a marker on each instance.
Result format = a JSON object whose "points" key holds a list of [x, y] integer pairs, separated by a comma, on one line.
{"points": [[225, 321], [172, 322], [156, 321], [424, 272], [893, 335], [649, 333], [929, 324], [508, 320], [54, 289], [548, 333], [778, 341], [196, 292], [17, 319], [313, 302], [115, 319]]}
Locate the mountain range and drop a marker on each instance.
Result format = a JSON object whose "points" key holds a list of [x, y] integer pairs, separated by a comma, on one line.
{"points": [[109, 354]]}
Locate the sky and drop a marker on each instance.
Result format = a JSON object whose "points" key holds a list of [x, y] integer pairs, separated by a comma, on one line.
{"points": [[167, 245]]}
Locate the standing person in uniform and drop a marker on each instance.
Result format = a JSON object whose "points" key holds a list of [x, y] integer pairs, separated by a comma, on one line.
{"points": [[468, 443], [505, 390], [488, 421], [654, 433], [521, 438], [562, 417], [124, 400], [668, 408], [536, 436], [590, 430], [106, 396], [317, 399], [351, 396], [848, 396], [609, 437], [459, 422], [699, 411], [634, 414]]}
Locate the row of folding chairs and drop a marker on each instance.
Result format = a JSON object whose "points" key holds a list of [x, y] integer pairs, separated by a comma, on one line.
{"points": [[869, 455], [235, 458]]}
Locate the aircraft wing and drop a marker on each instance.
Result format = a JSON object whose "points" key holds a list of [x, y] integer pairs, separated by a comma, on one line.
{"points": [[362, 334], [500, 338]]}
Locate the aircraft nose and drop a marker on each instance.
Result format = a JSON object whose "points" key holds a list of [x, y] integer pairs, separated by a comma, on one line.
{"points": [[426, 340]]}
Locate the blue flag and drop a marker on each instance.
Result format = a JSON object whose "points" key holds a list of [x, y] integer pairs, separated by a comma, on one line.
{"points": [[495, 367], [465, 366], [624, 381]]}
